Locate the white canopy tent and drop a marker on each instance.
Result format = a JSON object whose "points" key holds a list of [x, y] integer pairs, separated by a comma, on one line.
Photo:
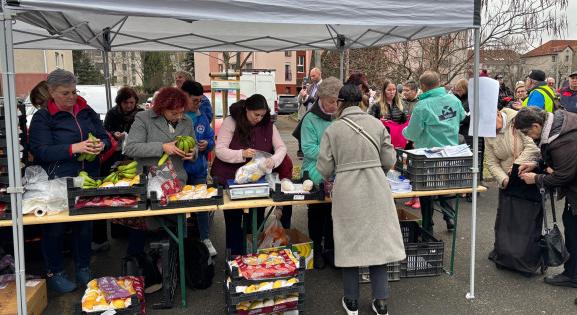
{"points": [[216, 25]]}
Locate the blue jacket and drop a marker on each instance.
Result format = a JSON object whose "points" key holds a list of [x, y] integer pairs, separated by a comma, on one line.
{"points": [[52, 133], [198, 170], [206, 108]]}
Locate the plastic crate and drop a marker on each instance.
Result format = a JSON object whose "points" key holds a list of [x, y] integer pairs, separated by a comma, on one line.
{"points": [[138, 190], [133, 309], [424, 252], [435, 173], [215, 200], [393, 272], [298, 306], [314, 194], [232, 298], [168, 252]]}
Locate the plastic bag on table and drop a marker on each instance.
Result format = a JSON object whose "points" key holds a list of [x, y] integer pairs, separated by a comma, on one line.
{"points": [[254, 170], [163, 181], [41, 195], [274, 234]]}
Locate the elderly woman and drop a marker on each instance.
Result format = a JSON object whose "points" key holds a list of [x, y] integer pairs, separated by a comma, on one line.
{"points": [[519, 218], [58, 135], [365, 223], [154, 133], [313, 126], [520, 96], [247, 129]]}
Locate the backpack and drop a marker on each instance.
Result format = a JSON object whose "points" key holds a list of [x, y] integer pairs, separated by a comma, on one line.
{"points": [[198, 264], [142, 265]]}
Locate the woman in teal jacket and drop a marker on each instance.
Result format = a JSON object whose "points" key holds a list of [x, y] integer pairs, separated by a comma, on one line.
{"points": [[313, 126]]}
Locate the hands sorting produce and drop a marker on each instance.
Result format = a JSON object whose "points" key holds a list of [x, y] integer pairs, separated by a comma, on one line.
{"points": [[184, 143], [89, 157]]}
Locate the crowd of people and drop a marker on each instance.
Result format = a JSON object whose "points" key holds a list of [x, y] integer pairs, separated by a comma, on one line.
{"points": [[347, 136]]}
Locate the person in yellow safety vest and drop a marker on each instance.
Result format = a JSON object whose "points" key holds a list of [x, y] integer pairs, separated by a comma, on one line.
{"points": [[540, 94]]}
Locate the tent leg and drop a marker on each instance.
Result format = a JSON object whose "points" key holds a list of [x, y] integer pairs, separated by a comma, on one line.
{"points": [[477, 35], [13, 153], [106, 62]]}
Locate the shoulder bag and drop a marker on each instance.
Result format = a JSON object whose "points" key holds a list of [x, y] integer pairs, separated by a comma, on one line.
{"points": [[552, 244]]}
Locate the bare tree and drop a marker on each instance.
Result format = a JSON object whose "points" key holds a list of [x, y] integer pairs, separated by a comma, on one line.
{"points": [[514, 24]]}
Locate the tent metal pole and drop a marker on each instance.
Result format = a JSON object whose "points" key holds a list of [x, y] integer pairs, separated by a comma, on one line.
{"points": [[476, 117], [106, 62], [15, 188]]}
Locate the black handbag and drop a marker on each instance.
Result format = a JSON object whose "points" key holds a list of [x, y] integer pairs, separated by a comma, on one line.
{"points": [[552, 244]]}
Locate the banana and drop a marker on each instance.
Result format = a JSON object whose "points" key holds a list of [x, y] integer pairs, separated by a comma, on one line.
{"points": [[128, 166], [185, 147], [108, 178], [162, 159]]}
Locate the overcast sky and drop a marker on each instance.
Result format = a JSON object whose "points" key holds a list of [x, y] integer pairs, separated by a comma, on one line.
{"points": [[571, 23]]}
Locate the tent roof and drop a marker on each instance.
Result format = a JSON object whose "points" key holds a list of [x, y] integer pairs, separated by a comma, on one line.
{"points": [[247, 25]]}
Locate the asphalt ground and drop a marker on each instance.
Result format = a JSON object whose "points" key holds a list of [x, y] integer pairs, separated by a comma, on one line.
{"points": [[496, 291]]}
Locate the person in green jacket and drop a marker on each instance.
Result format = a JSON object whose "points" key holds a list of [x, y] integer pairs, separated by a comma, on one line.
{"points": [[435, 123], [314, 123]]}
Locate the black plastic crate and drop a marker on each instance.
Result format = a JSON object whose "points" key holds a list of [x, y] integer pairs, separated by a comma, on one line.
{"points": [[138, 190], [393, 272], [435, 173], [168, 253], [133, 309], [215, 200], [5, 198], [424, 252], [314, 194]]}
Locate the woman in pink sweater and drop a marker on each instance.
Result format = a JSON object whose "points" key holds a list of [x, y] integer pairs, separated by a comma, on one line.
{"points": [[247, 129]]}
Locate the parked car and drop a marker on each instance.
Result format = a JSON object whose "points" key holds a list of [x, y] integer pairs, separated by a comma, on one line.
{"points": [[287, 104]]}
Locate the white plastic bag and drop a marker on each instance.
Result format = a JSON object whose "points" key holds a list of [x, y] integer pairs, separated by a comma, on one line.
{"points": [[43, 196], [163, 180], [254, 170]]}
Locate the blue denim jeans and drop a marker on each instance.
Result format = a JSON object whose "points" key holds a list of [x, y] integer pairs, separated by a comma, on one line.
{"points": [[53, 237]]}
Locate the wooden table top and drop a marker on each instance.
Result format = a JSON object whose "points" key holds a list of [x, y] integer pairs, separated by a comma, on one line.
{"points": [[228, 205]]}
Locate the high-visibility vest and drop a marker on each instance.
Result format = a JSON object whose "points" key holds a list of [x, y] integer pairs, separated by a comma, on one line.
{"points": [[548, 96]]}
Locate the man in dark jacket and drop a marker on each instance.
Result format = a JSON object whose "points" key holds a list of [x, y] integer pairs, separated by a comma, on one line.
{"points": [[569, 94], [556, 134]]}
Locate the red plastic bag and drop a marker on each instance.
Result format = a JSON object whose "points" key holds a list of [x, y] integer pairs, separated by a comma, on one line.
{"points": [[266, 266]]}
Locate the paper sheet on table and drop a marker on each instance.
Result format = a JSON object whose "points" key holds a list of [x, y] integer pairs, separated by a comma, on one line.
{"points": [[488, 97]]}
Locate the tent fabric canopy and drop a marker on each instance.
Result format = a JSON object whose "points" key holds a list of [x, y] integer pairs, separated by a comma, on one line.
{"points": [[258, 25]]}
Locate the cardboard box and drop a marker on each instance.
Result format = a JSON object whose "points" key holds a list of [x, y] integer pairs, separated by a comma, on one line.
{"points": [[36, 298], [301, 246], [407, 215]]}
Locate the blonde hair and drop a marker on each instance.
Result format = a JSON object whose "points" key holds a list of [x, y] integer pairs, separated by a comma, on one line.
{"points": [[462, 84], [185, 74], [382, 102], [39, 95]]}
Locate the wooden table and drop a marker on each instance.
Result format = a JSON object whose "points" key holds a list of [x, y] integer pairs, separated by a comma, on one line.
{"points": [[245, 205]]}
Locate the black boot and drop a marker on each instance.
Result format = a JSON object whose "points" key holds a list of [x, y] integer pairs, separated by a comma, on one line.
{"points": [[380, 307]]}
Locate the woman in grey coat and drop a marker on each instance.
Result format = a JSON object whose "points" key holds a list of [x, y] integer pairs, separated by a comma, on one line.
{"points": [[365, 224], [154, 132]]}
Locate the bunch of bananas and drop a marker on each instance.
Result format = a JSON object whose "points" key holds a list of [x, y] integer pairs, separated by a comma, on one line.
{"points": [[127, 171], [89, 182], [88, 156], [304, 250], [184, 143]]}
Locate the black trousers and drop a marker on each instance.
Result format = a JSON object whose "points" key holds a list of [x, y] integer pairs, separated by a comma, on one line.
{"points": [[570, 225], [427, 211], [234, 234], [321, 226]]}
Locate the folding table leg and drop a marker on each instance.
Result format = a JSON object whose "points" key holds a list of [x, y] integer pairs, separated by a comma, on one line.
{"points": [[181, 259]]}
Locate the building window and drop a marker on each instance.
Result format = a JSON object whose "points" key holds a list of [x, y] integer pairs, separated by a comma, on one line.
{"points": [[566, 58], [123, 54], [301, 64], [221, 68], [553, 58], [124, 67], [288, 76], [248, 66], [288, 53], [133, 55]]}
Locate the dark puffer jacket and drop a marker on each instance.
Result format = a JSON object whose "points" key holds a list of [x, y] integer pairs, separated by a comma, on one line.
{"points": [[52, 133], [559, 153]]}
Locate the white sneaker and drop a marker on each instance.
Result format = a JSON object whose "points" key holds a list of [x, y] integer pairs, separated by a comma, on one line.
{"points": [[211, 249]]}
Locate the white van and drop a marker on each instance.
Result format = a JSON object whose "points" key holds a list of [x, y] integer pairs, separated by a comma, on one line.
{"points": [[95, 96], [252, 82]]}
